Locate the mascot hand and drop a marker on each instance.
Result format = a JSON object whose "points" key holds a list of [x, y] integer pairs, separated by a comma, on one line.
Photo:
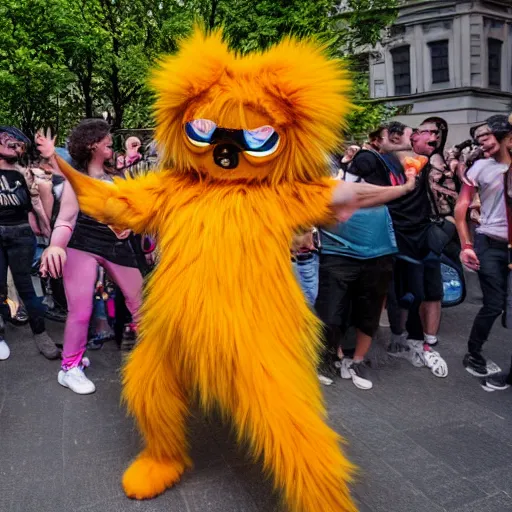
{"points": [[53, 261]]}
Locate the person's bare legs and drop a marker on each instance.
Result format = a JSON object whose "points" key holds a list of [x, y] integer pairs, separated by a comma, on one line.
{"points": [[363, 343], [430, 314]]}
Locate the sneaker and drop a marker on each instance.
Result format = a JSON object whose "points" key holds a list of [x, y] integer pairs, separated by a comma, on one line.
{"points": [[435, 362], [498, 382], [326, 381], [21, 317], [46, 345], [76, 380], [411, 350], [4, 350], [359, 375], [344, 366], [477, 365]]}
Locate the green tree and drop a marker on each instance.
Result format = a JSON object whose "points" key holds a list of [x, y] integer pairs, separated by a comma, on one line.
{"points": [[34, 83], [61, 60]]}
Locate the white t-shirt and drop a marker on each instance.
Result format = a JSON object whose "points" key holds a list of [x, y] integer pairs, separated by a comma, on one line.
{"points": [[488, 176]]}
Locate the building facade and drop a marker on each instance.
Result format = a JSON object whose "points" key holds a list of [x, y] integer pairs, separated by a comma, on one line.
{"points": [[451, 59]]}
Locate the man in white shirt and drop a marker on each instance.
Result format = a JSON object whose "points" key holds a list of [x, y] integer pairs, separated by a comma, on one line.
{"points": [[488, 255]]}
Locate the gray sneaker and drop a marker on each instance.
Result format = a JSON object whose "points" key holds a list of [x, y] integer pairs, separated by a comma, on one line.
{"points": [[46, 345]]}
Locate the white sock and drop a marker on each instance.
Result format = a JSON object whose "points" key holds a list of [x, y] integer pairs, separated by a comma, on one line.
{"points": [[430, 339]]}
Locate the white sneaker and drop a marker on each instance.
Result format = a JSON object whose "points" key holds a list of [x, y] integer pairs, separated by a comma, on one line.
{"points": [[325, 380], [4, 351], [416, 353], [359, 375], [411, 350], [76, 380], [344, 368], [436, 363]]}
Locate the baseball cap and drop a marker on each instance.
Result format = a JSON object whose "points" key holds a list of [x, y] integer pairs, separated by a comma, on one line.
{"points": [[15, 133]]}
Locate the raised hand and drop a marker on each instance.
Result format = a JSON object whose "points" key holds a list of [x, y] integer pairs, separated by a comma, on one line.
{"points": [[45, 143]]}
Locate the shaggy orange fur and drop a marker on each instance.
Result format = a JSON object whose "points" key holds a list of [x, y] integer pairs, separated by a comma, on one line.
{"points": [[224, 316]]}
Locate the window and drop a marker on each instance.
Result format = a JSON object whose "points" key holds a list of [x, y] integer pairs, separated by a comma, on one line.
{"points": [[439, 59], [402, 70], [494, 46], [380, 89]]}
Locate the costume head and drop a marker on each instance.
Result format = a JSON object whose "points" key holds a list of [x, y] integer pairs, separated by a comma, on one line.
{"points": [[13, 143], [261, 117]]}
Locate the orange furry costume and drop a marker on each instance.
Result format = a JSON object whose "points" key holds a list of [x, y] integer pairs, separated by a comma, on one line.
{"points": [[224, 316]]}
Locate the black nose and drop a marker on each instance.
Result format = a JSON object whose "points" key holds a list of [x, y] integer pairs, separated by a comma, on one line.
{"points": [[226, 156]]}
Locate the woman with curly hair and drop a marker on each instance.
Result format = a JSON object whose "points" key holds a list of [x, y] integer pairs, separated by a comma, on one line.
{"points": [[79, 244]]}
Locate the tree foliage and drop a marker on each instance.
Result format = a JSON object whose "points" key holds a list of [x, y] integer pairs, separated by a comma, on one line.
{"points": [[62, 60]]}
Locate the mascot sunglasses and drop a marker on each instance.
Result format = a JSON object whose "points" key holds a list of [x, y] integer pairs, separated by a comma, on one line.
{"points": [[259, 142]]}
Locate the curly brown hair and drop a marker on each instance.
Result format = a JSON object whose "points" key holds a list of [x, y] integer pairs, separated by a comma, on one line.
{"points": [[87, 133]]}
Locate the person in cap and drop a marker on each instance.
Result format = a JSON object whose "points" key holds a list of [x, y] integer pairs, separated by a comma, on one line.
{"points": [[17, 241]]}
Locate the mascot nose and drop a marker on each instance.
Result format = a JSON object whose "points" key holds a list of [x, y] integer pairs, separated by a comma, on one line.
{"points": [[226, 156]]}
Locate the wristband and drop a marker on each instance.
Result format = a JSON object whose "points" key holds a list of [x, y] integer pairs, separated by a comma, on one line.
{"points": [[467, 245], [64, 226]]}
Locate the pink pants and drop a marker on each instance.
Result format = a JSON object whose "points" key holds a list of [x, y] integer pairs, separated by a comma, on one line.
{"points": [[80, 273]]}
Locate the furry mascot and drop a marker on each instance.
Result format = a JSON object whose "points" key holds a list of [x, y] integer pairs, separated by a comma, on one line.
{"points": [[244, 143]]}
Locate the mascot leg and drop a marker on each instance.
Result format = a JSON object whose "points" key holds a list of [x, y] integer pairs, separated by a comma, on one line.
{"points": [[155, 396], [281, 415]]}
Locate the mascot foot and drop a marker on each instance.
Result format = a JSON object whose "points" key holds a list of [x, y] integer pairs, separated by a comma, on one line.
{"points": [[148, 477]]}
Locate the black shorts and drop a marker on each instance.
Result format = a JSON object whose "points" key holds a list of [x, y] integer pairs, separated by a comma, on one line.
{"points": [[418, 282], [352, 290]]}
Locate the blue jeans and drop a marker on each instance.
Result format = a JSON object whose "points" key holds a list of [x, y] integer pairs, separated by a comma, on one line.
{"points": [[306, 270]]}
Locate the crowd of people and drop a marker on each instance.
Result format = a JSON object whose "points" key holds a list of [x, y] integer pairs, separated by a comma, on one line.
{"points": [[386, 259], [84, 265], [389, 259]]}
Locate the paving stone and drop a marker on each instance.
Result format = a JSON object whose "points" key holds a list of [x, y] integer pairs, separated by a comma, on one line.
{"points": [[500, 502], [468, 449], [421, 443]]}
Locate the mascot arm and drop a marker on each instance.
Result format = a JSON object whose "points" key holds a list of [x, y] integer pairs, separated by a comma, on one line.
{"points": [[329, 201], [125, 204]]}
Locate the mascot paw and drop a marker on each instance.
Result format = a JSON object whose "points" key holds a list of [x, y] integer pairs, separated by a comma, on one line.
{"points": [[147, 477]]}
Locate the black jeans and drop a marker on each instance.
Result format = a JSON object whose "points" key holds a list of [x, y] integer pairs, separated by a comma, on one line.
{"points": [[493, 274], [17, 247]]}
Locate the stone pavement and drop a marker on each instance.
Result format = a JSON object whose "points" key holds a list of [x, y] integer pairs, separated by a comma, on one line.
{"points": [[422, 444]]}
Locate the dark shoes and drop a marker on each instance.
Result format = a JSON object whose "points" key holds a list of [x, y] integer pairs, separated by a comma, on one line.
{"points": [[498, 382], [478, 366], [46, 345]]}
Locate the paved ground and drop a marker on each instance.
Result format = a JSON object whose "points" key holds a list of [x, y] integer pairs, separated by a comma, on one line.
{"points": [[422, 444]]}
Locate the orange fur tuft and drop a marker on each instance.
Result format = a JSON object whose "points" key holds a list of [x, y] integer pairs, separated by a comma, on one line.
{"points": [[300, 92], [224, 316]]}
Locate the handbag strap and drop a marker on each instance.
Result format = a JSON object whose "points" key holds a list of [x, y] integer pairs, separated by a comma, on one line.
{"points": [[508, 203]]}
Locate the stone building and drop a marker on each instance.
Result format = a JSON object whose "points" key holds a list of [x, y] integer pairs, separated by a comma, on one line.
{"points": [[447, 58]]}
